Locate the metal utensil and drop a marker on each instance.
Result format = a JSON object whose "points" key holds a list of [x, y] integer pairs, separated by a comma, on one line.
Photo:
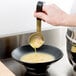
{"points": [[36, 40]]}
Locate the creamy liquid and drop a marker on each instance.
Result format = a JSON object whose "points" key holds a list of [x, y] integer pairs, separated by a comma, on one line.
{"points": [[73, 49], [36, 43], [37, 57]]}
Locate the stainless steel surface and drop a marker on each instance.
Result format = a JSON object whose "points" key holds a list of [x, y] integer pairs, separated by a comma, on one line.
{"points": [[62, 67], [17, 68]]}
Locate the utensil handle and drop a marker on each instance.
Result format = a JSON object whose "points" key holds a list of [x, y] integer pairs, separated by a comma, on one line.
{"points": [[39, 9]]}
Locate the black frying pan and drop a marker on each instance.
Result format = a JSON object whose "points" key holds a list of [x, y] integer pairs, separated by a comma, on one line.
{"points": [[37, 67]]}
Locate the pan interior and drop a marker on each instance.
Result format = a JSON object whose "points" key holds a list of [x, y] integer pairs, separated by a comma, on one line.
{"points": [[19, 52], [37, 57]]}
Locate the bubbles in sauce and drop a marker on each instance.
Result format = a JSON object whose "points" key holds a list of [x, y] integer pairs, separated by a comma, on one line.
{"points": [[37, 57]]}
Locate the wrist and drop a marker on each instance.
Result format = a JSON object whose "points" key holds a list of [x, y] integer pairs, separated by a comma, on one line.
{"points": [[70, 20], [66, 20]]}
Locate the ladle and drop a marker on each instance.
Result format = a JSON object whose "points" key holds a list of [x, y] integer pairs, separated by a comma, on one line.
{"points": [[36, 40]]}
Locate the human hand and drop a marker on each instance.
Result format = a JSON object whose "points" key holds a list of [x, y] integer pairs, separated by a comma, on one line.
{"points": [[52, 14]]}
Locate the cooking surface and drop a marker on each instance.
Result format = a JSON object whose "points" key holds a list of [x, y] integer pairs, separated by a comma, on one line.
{"points": [[60, 68]]}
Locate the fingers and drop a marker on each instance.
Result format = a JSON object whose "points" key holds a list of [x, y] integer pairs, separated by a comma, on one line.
{"points": [[47, 7], [41, 15]]}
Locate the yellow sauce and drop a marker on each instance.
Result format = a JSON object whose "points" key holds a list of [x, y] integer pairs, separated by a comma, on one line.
{"points": [[35, 50], [37, 57], [36, 43], [73, 49]]}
